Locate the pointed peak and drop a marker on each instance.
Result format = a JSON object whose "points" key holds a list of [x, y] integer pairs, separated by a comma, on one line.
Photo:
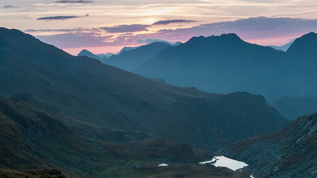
{"points": [[310, 34], [84, 52], [304, 44]]}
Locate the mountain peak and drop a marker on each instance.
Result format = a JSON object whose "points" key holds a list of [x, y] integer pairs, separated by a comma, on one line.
{"points": [[230, 35], [87, 53], [84, 52], [310, 34], [224, 38], [303, 45]]}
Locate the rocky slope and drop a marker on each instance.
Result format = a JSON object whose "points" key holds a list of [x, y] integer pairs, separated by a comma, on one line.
{"points": [[289, 152]]}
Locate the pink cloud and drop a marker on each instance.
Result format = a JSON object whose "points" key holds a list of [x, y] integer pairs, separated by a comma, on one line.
{"points": [[260, 30]]}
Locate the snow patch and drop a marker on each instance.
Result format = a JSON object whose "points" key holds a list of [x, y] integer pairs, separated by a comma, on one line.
{"points": [[163, 165], [222, 161]]}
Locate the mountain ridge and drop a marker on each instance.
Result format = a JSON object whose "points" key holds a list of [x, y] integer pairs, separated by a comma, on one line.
{"points": [[220, 64], [83, 91]]}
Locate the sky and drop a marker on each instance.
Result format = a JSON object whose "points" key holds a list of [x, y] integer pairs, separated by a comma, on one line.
{"points": [[103, 26]]}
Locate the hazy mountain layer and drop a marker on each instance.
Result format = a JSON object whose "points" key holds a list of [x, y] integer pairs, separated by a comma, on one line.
{"points": [[293, 108], [130, 59]]}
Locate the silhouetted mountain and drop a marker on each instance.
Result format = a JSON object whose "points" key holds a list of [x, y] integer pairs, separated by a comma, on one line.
{"points": [[293, 108], [221, 64], [304, 47], [87, 53], [301, 68], [284, 47], [289, 152], [130, 59], [93, 98]]}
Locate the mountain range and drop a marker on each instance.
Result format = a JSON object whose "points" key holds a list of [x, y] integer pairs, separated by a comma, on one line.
{"points": [[225, 63], [78, 114], [130, 59]]}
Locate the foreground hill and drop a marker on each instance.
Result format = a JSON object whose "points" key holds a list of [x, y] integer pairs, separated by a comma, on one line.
{"points": [[39, 143], [93, 98], [289, 152], [221, 64]]}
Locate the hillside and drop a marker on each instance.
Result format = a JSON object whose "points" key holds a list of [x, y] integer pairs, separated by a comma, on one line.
{"points": [[35, 144], [289, 152], [93, 98]]}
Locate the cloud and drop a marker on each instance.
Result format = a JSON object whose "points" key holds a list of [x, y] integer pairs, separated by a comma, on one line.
{"points": [[165, 22], [75, 2], [60, 17], [255, 30], [73, 30], [260, 30], [151, 40], [126, 28], [75, 40], [8, 7]]}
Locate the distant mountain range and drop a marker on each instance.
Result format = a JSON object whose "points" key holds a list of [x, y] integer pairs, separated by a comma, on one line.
{"points": [[283, 47], [221, 64], [130, 59], [75, 111], [224, 64], [289, 152]]}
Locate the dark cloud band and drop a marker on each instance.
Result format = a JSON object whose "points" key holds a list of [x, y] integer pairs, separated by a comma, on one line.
{"points": [[165, 22], [75, 2], [60, 17], [126, 28], [8, 7]]}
